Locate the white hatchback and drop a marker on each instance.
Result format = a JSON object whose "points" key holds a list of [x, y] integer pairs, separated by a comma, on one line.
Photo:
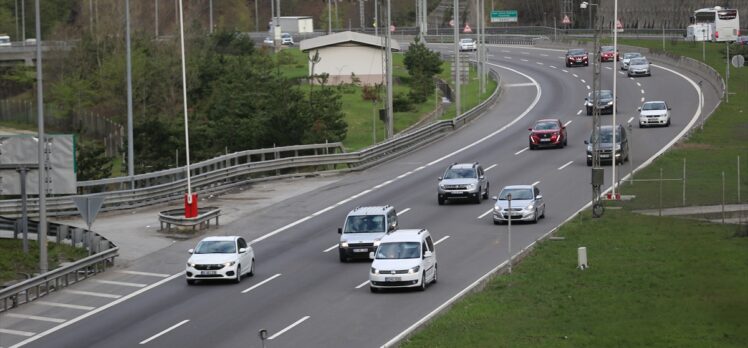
{"points": [[654, 113], [404, 259], [220, 257]]}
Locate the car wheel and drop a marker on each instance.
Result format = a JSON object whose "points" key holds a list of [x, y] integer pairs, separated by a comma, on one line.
{"points": [[190, 282], [485, 195], [589, 111], [478, 197], [542, 216], [373, 289], [567, 64], [343, 258], [434, 280], [586, 64], [531, 146], [422, 287], [641, 125], [238, 278], [252, 269], [566, 142], [668, 123], [589, 163], [441, 200]]}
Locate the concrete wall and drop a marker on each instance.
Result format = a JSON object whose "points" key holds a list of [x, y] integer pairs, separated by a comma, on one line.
{"points": [[646, 14], [340, 61]]}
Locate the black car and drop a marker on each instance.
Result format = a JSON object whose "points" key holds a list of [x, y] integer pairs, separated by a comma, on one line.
{"points": [[577, 56], [605, 145], [605, 102]]}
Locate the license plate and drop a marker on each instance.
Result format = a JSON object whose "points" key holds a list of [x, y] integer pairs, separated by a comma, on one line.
{"points": [[207, 272], [360, 250], [604, 156], [392, 279], [545, 140]]}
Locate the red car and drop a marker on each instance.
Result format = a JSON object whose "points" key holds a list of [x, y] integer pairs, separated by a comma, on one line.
{"points": [[547, 133], [608, 54], [577, 56]]}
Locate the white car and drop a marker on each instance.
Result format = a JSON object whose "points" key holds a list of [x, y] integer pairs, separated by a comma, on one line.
{"points": [[639, 67], [654, 113], [268, 41], [527, 204], [404, 259], [287, 39], [468, 45], [220, 257], [627, 58]]}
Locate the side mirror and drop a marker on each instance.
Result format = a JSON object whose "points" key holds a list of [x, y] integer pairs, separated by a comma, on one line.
{"points": [[586, 142], [340, 230], [427, 254], [191, 251], [495, 198], [669, 108], [539, 197], [586, 99], [242, 250], [439, 178], [482, 177], [639, 109], [530, 129], [371, 255]]}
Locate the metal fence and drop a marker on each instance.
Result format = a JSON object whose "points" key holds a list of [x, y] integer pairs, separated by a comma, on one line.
{"points": [[103, 253]]}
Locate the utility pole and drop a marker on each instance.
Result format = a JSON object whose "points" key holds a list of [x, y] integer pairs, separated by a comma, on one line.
{"points": [[613, 180], [130, 140], [257, 17], [329, 17], [388, 47], [597, 170], [361, 13], [456, 32], [210, 10], [376, 17], [155, 6], [42, 155]]}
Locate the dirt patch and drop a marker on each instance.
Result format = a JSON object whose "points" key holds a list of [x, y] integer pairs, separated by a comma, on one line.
{"points": [[696, 146]]}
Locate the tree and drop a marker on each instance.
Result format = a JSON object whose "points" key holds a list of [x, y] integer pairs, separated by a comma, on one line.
{"points": [[92, 162], [422, 65]]}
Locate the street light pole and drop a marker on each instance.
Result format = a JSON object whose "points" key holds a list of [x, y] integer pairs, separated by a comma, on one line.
{"points": [[456, 32], [184, 103], [509, 230], [613, 181], [42, 232], [130, 140], [388, 54]]}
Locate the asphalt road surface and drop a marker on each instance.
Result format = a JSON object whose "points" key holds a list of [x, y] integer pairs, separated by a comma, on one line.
{"points": [[303, 295]]}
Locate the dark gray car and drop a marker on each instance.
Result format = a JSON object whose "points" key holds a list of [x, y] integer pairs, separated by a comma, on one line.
{"points": [[604, 102], [463, 181], [605, 145]]}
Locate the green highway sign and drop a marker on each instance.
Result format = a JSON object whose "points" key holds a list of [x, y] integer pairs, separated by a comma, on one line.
{"points": [[504, 16]]}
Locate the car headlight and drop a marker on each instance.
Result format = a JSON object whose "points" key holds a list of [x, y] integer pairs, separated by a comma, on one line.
{"points": [[414, 269], [610, 103], [470, 186], [530, 207], [190, 264], [441, 186], [589, 148], [618, 147], [374, 271], [229, 264], [497, 209], [376, 242], [344, 244]]}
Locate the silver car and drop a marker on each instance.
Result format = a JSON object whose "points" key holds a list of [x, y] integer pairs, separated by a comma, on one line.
{"points": [[639, 67], [463, 181], [527, 204], [627, 58]]}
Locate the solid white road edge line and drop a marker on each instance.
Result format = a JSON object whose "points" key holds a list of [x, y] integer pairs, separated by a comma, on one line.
{"points": [[565, 165], [35, 317], [165, 331], [441, 240], [460, 294], [403, 211], [330, 248], [484, 214], [261, 283], [97, 310], [359, 286], [289, 327], [491, 166]]}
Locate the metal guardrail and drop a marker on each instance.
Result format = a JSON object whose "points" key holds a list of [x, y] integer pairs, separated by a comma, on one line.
{"points": [[104, 252], [176, 217]]}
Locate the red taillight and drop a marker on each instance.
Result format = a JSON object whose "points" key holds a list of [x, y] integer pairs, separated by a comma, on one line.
{"points": [[716, 35]]}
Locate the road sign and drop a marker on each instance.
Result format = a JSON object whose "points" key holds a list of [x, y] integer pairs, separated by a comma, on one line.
{"points": [[619, 26], [392, 28], [451, 22], [467, 29], [89, 207], [566, 20], [738, 61], [60, 163], [504, 16]]}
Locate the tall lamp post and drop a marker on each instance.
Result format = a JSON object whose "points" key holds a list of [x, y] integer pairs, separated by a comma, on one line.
{"points": [[190, 209], [509, 230], [597, 174], [584, 5]]}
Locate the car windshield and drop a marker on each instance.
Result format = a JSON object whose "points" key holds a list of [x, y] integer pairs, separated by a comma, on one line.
{"points": [[654, 106], [364, 224], [606, 136], [604, 94], [460, 173], [466, 40], [399, 250], [607, 49], [631, 55], [638, 61], [216, 247], [521, 194], [546, 125], [576, 52]]}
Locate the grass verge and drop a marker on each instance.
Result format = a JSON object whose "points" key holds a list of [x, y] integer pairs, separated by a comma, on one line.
{"points": [[14, 264]]}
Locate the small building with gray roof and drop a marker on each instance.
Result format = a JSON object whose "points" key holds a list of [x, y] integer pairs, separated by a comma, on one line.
{"points": [[344, 54]]}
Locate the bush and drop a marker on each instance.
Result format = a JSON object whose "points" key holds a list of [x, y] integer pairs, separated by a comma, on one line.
{"points": [[401, 103]]}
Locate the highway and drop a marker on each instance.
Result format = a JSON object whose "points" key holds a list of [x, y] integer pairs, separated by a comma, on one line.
{"points": [[304, 296]]}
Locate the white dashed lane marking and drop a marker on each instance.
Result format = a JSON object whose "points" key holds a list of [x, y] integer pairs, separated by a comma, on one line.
{"points": [[484, 214], [148, 274], [330, 248], [583, 81], [34, 317], [543, 55], [17, 332], [165, 331], [631, 119], [403, 211], [565, 165], [491, 166], [639, 84], [289, 327], [642, 91], [575, 75], [553, 66], [524, 60], [539, 63], [521, 151], [507, 57], [588, 87], [359, 286], [642, 99], [64, 305], [535, 183], [564, 70], [569, 122], [579, 112], [441, 240], [261, 283]]}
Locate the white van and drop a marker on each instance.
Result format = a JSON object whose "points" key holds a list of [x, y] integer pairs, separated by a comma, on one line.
{"points": [[404, 259], [362, 230], [4, 40]]}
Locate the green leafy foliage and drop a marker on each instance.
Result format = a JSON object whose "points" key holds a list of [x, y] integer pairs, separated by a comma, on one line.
{"points": [[93, 164], [422, 64]]}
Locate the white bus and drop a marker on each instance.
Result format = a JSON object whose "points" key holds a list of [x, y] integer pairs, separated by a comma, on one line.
{"points": [[714, 24]]}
